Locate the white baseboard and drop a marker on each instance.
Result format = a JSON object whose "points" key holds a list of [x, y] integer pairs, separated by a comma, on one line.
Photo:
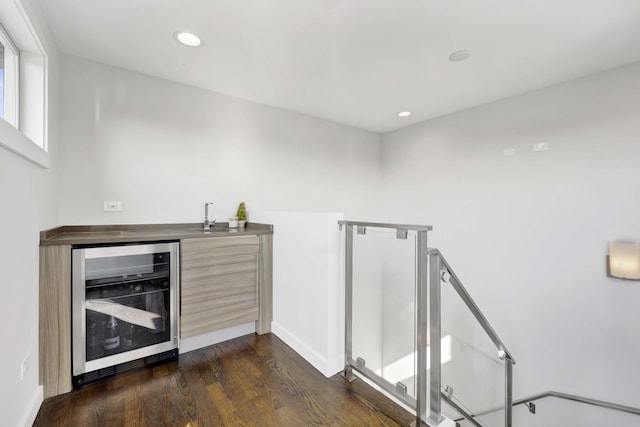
{"points": [[199, 341], [326, 366], [34, 406]]}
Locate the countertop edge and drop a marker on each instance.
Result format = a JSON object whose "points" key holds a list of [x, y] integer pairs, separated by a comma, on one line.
{"points": [[107, 233]]}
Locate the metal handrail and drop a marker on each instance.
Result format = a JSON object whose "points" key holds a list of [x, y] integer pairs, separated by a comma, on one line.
{"points": [[566, 396], [459, 409], [385, 225], [580, 399], [470, 303]]}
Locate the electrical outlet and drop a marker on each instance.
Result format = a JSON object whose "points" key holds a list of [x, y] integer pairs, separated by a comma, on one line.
{"points": [[112, 206], [24, 366], [540, 146]]}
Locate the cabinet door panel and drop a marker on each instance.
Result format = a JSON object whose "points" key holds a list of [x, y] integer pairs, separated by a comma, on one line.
{"points": [[201, 323], [198, 253], [225, 269], [219, 283], [241, 287]]}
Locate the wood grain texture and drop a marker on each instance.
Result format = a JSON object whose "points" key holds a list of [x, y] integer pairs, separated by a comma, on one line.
{"points": [[55, 319], [249, 381], [265, 284], [219, 283], [198, 253]]}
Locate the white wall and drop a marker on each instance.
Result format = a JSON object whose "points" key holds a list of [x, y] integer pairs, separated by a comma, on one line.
{"points": [[307, 286], [29, 204], [163, 149], [528, 234], [26, 191]]}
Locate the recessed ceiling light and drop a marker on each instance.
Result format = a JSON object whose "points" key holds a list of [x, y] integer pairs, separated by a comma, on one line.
{"points": [[404, 113], [188, 39], [459, 56]]}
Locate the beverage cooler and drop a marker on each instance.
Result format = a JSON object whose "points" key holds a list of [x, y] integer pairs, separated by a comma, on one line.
{"points": [[124, 308]]}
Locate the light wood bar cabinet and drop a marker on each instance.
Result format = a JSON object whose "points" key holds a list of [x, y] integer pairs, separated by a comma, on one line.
{"points": [[225, 277]]}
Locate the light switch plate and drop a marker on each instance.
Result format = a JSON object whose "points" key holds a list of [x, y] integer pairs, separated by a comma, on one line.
{"points": [[540, 146], [112, 206], [508, 152]]}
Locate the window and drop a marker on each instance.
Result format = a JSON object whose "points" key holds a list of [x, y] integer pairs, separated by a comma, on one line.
{"points": [[2, 80], [24, 82], [8, 79]]}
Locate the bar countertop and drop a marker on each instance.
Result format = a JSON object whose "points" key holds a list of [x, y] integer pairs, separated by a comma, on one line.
{"points": [[127, 233]]}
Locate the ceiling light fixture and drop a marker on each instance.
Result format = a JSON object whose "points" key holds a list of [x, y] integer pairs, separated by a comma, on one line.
{"points": [[188, 39], [459, 56], [404, 113]]}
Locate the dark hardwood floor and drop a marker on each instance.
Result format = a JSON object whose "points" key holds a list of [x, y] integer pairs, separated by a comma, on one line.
{"points": [[249, 381]]}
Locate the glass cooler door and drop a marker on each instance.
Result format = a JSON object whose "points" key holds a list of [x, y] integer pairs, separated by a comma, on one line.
{"points": [[124, 304]]}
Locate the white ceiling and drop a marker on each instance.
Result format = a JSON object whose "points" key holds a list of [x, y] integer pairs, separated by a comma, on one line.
{"points": [[356, 62]]}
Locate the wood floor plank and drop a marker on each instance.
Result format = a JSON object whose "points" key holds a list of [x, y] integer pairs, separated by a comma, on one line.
{"points": [[249, 381]]}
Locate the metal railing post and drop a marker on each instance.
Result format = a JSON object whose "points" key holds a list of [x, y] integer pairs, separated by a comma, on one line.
{"points": [[435, 275], [348, 303], [422, 313], [508, 403]]}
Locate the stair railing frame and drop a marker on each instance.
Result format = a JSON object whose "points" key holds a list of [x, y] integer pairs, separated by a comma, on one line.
{"points": [[567, 396], [439, 266], [580, 399], [420, 403], [430, 269]]}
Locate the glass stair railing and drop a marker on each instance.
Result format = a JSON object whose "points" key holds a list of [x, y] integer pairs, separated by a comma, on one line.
{"points": [[413, 330], [383, 309], [476, 367]]}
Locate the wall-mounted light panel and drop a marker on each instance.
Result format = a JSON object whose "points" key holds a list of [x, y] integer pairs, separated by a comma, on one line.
{"points": [[624, 260]]}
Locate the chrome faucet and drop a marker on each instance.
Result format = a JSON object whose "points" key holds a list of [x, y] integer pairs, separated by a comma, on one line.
{"points": [[207, 223]]}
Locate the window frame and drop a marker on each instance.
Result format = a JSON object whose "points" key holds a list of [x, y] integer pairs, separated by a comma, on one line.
{"points": [[11, 84], [23, 24]]}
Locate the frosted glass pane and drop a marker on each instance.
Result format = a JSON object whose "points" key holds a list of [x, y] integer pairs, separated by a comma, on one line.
{"points": [[384, 304]]}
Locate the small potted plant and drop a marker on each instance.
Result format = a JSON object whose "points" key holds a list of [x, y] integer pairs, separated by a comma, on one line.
{"points": [[242, 215]]}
